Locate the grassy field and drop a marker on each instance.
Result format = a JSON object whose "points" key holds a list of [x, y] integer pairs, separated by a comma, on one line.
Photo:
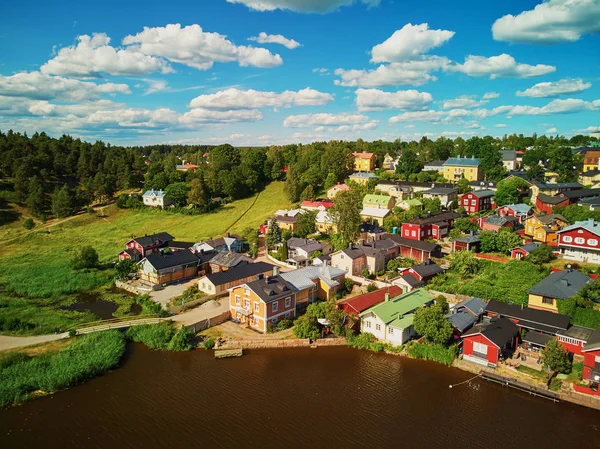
{"points": [[37, 264]]}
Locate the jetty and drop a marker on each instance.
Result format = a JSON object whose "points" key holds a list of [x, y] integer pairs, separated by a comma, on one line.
{"points": [[521, 386], [224, 353]]}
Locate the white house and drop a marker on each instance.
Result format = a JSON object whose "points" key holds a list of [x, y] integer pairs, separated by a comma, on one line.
{"points": [[156, 198], [392, 320]]}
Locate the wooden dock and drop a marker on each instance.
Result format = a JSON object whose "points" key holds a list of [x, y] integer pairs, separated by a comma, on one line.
{"points": [[521, 386], [224, 353]]}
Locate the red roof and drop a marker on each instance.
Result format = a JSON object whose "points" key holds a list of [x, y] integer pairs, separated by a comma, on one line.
{"points": [[361, 303], [363, 155], [325, 203]]}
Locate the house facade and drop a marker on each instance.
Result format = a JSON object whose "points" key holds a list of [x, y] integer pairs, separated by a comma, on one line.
{"points": [[445, 194], [312, 283], [509, 159], [436, 166], [543, 228], [520, 211], [168, 267], [581, 241], [324, 223], [436, 226], [556, 287], [156, 198], [477, 201], [218, 283], [351, 260], [485, 343], [334, 190], [138, 248], [591, 361], [362, 177], [467, 243], [456, 168], [364, 161], [376, 207], [418, 250]]}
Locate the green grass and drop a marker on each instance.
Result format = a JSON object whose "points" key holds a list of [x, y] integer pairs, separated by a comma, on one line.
{"points": [[23, 377], [539, 375], [160, 337], [437, 353]]}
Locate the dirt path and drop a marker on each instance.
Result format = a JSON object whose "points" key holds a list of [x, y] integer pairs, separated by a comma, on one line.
{"points": [[8, 342]]}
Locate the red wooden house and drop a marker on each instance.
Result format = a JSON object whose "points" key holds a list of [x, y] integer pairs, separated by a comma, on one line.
{"points": [[575, 338], [485, 343], [591, 362], [361, 303], [520, 252], [477, 201], [139, 247], [436, 226], [520, 211], [580, 241], [415, 249], [545, 203]]}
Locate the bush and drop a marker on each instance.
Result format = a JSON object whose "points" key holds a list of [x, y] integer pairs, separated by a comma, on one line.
{"points": [[181, 341], [28, 224], [208, 343], [437, 353], [307, 326], [149, 307], [284, 324], [371, 288], [155, 336], [85, 257]]}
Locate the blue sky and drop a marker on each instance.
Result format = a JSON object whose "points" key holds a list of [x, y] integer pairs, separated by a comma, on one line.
{"points": [[282, 71]]}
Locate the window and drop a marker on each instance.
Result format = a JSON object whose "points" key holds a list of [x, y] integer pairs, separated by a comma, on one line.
{"points": [[473, 202], [378, 327], [546, 300], [247, 304], [567, 239], [368, 324], [414, 233], [480, 348], [257, 307], [592, 242], [568, 340], [274, 306], [237, 300], [579, 240], [274, 321], [288, 302], [246, 291], [597, 359], [391, 331]]}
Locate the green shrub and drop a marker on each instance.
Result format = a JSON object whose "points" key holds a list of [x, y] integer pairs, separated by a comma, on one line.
{"points": [[181, 341], [155, 336], [284, 324], [28, 224], [371, 288], [436, 353], [555, 384], [208, 343]]}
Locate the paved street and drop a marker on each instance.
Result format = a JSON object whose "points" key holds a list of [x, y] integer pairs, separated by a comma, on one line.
{"points": [[206, 311], [164, 296]]}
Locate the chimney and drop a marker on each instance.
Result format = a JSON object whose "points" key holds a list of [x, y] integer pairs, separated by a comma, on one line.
{"points": [[275, 271], [387, 297], [228, 234], [362, 242], [259, 276], [350, 245]]}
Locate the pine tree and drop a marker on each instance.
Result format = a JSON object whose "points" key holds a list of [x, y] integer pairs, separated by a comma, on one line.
{"points": [[63, 202], [36, 200], [274, 235]]}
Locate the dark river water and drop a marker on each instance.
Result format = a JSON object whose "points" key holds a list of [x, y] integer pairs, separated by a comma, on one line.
{"points": [[293, 398]]}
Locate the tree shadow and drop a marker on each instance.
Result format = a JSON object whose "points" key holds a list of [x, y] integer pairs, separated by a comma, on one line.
{"points": [[8, 216]]}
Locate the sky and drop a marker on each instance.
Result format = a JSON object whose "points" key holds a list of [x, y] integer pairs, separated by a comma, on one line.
{"points": [[264, 72]]}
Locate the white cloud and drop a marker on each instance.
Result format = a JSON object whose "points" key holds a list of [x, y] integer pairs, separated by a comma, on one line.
{"points": [[550, 22], [411, 73], [155, 86], [264, 38], [248, 99], [556, 88], [321, 71], [500, 66], [567, 106], [324, 119], [92, 56], [409, 126], [551, 131], [500, 125], [490, 95], [464, 101], [303, 6], [199, 115], [430, 116], [377, 100], [133, 118], [38, 86], [589, 129], [409, 42], [196, 48]]}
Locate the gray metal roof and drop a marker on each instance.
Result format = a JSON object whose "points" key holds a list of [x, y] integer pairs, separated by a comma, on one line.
{"points": [[303, 277], [562, 285], [462, 320], [270, 288], [427, 269], [529, 247], [593, 342], [473, 305], [483, 193], [578, 332]]}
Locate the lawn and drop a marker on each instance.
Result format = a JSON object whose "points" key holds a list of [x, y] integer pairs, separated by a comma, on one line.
{"points": [[37, 264]]}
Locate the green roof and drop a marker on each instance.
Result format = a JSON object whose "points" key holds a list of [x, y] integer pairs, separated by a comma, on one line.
{"points": [[381, 200], [413, 202], [403, 322], [396, 308]]}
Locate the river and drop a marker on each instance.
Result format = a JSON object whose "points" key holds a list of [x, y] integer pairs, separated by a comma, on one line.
{"points": [[292, 398]]}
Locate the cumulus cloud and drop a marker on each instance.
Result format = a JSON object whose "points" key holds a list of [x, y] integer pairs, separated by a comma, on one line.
{"points": [[550, 22], [556, 88], [264, 38], [570, 105], [91, 56], [551, 131], [490, 95], [324, 119], [38, 86], [377, 100], [501, 66], [200, 115], [196, 48], [464, 101], [303, 6], [321, 71], [410, 73], [234, 98], [500, 125], [409, 42]]}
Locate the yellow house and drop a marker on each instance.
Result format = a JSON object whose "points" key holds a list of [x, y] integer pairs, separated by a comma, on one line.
{"points": [[324, 223], [314, 283], [543, 228], [364, 161], [456, 168], [362, 178], [590, 177], [376, 207], [556, 287], [591, 160], [334, 190]]}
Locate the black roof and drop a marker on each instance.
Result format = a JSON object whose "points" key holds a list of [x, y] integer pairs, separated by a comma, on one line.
{"points": [[499, 331], [132, 252], [537, 338], [271, 288], [206, 256], [160, 261], [180, 245], [550, 199], [417, 244], [435, 218], [149, 240], [370, 228], [581, 193], [412, 280], [428, 268], [530, 318], [239, 272]]}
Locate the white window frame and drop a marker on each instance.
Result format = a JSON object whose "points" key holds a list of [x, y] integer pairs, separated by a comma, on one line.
{"points": [[237, 300], [378, 327], [274, 306], [391, 331], [567, 239], [592, 242], [288, 302], [246, 304], [257, 306], [579, 240], [368, 324], [480, 348]]}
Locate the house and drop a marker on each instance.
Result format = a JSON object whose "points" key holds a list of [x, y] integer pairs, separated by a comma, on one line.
{"points": [[156, 198], [229, 242], [469, 242], [456, 168], [364, 161], [520, 211], [376, 207], [390, 162], [445, 194], [509, 159], [408, 203], [495, 222], [549, 189], [263, 302], [324, 223], [520, 252], [591, 159], [574, 196], [312, 283], [591, 203], [418, 250], [351, 260], [485, 343], [418, 275], [544, 227], [301, 251], [137, 248], [362, 178], [436, 166], [166, 267], [218, 283], [528, 318], [590, 177], [358, 304], [591, 361], [416, 187], [483, 185], [186, 167], [322, 261], [334, 190], [555, 287], [175, 245], [581, 241], [316, 205], [287, 221], [392, 320], [370, 231], [477, 201], [465, 314], [225, 260], [544, 203], [435, 226], [394, 189], [575, 338], [372, 256]]}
